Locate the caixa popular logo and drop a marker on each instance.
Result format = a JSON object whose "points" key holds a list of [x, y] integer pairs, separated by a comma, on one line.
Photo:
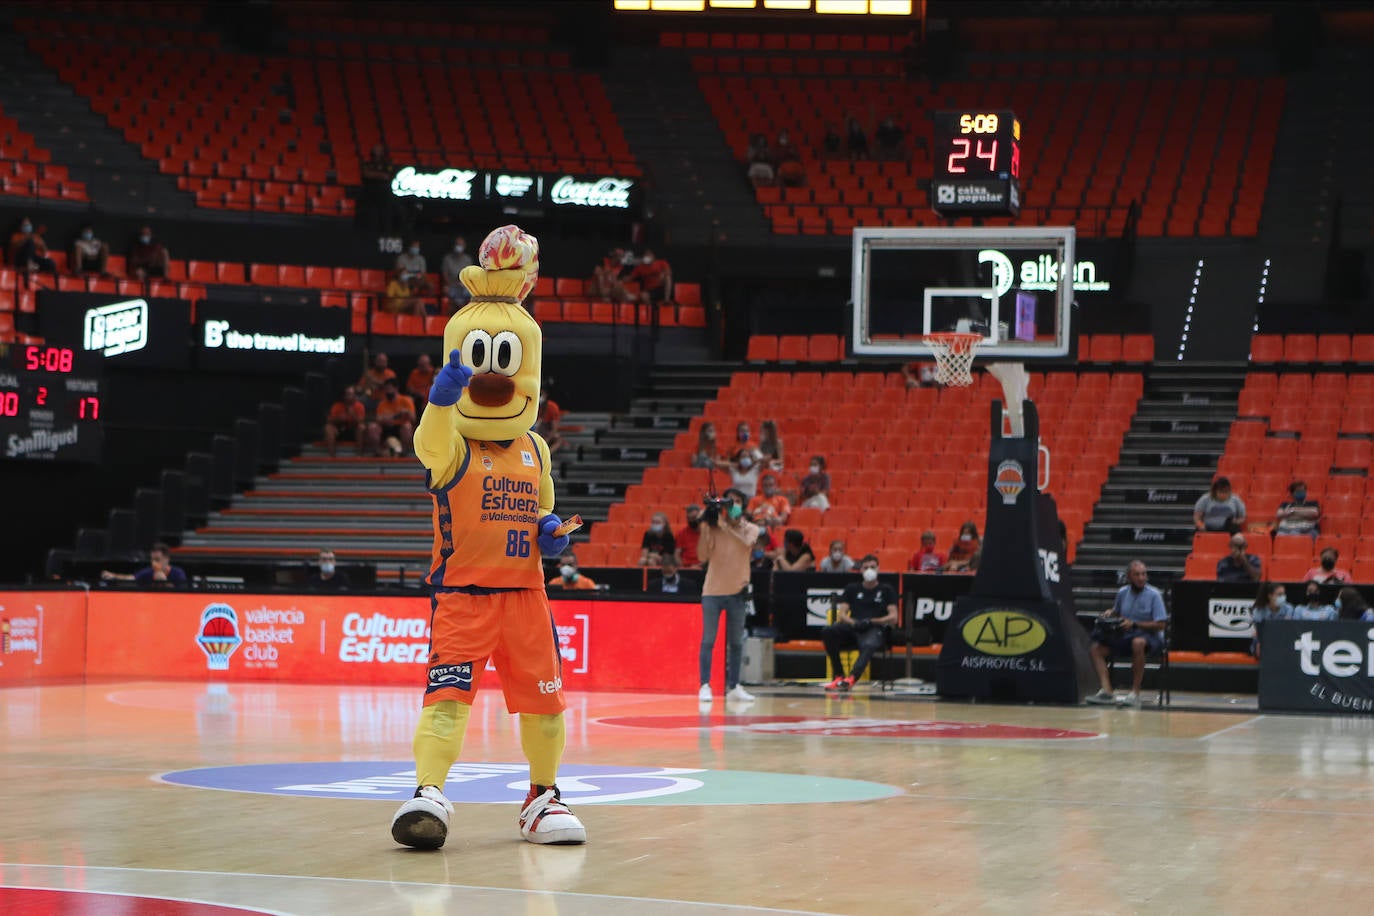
{"points": [[1004, 632], [218, 636], [1010, 481], [120, 327]]}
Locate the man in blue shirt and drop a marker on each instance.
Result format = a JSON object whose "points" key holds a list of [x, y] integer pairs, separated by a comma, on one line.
{"points": [[159, 570], [1134, 625]]}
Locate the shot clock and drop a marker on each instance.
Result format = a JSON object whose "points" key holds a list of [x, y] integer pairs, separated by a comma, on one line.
{"points": [[50, 403], [977, 158]]}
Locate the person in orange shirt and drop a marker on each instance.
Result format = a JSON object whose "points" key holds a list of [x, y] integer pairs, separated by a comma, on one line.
{"points": [[770, 508], [569, 576], [374, 377], [419, 380], [345, 421], [395, 423], [491, 483]]}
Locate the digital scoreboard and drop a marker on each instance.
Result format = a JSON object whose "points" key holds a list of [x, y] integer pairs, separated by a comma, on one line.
{"points": [[50, 403], [977, 158]]}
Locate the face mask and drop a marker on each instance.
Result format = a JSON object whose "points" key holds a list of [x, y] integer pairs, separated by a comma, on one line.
{"points": [[735, 511], [1299, 495], [693, 522], [770, 491], [1328, 563], [837, 555], [656, 528], [26, 227], [870, 575], [815, 469], [87, 235], [1314, 598], [568, 571], [746, 463], [648, 260], [758, 554], [965, 537], [460, 248], [414, 250], [1280, 597], [711, 436], [1337, 605], [145, 239], [327, 569], [744, 436]]}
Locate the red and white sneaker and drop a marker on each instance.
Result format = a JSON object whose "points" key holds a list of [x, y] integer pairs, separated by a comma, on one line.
{"points": [[840, 683], [422, 822], [545, 819]]}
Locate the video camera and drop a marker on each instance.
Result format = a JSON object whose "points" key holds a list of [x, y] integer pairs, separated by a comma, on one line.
{"points": [[712, 507]]}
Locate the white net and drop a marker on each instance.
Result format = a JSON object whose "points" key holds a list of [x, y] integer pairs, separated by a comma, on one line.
{"points": [[953, 354]]}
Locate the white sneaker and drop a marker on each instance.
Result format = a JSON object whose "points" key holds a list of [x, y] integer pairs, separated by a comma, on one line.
{"points": [[704, 694], [422, 822], [1103, 698], [1131, 699], [545, 819], [739, 694]]}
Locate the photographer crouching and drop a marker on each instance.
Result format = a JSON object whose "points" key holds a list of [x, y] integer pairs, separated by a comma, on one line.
{"points": [[727, 537]]}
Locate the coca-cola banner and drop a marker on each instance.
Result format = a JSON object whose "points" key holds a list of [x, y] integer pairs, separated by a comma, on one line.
{"points": [[602, 193]]}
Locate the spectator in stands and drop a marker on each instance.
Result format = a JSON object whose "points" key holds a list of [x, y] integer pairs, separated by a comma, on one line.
{"points": [[374, 377], [569, 576], [608, 277], [379, 211], [688, 537], [395, 423], [706, 455], [770, 445], [327, 577], [1314, 607], [770, 508], [414, 269], [919, 374], [764, 552], [1271, 603], [450, 267], [670, 581], [814, 492], [1239, 566], [745, 463], [927, 560], [832, 145], [1135, 624], [856, 139], [658, 541], [864, 610], [796, 554], [1326, 571], [159, 570], [836, 560], [346, 421], [787, 162], [400, 298], [890, 139], [420, 380], [1350, 605], [1219, 509], [760, 159], [148, 258], [547, 421], [727, 536], [965, 549], [655, 278], [28, 251], [1297, 514], [90, 255]]}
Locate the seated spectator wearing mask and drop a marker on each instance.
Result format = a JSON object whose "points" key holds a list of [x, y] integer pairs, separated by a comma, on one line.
{"points": [[964, 550], [327, 577], [927, 560], [89, 254], [770, 508], [745, 464], [1350, 605], [1314, 608], [1219, 509], [863, 611], [1326, 571], [450, 267], [670, 581], [569, 577], [1298, 514], [147, 258], [655, 279], [658, 542], [688, 536], [1271, 603], [837, 561], [815, 486]]}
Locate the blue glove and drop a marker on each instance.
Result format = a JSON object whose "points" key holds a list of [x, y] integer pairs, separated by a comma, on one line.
{"points": [[549, 545], [449, 383]]}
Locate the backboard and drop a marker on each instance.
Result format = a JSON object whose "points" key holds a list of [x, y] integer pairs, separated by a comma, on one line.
{"points": [[1014, 286]]}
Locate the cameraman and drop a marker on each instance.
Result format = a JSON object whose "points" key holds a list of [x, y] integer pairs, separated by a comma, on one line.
{"points": [[1135, 624], [864, 610], [727, 537]]}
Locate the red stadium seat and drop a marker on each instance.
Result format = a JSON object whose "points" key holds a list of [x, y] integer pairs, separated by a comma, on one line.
{"points": [[792, 347], [1266, 348], [1300, 348], [1333, 348], [762, 348]]}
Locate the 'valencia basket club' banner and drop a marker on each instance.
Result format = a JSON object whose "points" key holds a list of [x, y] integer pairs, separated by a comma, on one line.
{"points": [[1317, 666]]}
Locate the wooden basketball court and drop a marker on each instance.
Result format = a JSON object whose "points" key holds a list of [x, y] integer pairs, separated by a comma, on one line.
{"points": [[864, 806]]}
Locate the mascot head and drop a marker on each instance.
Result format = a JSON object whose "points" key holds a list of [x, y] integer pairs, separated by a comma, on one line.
{"points": [[498, 340]]}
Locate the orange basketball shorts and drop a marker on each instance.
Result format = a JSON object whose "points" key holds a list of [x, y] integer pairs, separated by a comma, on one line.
{"points": [[513, 629]]}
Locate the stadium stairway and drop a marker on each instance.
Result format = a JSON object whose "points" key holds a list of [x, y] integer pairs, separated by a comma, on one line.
{"points": [[1167, 461], [700, 191], [117, 177]]}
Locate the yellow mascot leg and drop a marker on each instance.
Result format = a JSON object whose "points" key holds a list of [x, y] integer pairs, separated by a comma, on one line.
{"points": [[542, 738], [439, 740]]}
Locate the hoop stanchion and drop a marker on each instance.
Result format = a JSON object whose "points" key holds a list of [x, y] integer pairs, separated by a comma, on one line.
{"points": [[953, 351]]}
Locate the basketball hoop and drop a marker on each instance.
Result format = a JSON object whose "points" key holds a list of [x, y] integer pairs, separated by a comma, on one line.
{"points": [[953, 351]]}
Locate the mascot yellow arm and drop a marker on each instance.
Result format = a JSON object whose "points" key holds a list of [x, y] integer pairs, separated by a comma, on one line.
{"points": [[441, 448]]}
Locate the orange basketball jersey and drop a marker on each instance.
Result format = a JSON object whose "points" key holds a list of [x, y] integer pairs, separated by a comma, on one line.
{"points": [[486, 519]]}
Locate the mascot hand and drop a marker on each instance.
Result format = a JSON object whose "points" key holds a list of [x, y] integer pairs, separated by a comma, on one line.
{"points": [[449, 383], [548, 544]]}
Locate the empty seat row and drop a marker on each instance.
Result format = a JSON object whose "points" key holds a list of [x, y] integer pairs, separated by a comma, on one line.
{"points": [[1312, 348]]}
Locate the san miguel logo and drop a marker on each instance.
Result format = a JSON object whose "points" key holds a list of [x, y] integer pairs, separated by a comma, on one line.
{"points": [[1010, 481], [219, 635]]}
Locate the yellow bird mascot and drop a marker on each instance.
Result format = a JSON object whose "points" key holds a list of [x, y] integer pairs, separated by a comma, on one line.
{"points": [[493, 516]]}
